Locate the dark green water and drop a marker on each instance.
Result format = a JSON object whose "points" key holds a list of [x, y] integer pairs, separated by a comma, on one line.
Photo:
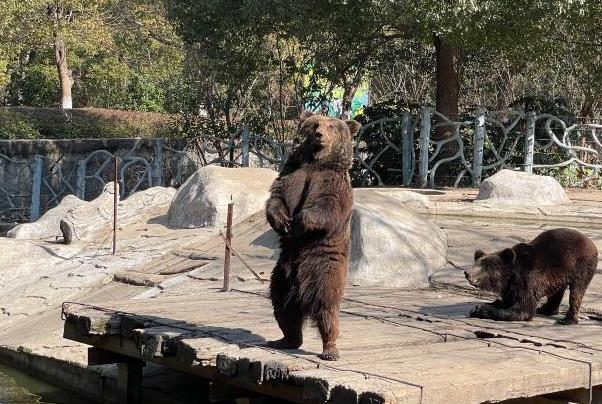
{"points": [[18, 388]]}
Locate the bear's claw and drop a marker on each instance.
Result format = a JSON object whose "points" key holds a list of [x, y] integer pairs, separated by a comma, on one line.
{"points": [[481, 311]]}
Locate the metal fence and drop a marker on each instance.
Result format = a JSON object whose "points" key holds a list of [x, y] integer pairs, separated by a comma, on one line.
{"points": [[424, 149], [30, 187], [427, 149]]}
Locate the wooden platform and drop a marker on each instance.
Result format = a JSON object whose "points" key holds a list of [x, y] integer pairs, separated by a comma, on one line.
{"points": [[397, 346]]}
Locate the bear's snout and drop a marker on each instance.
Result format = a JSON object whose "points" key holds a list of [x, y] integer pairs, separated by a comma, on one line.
{"points": [[472, 277], [318, 138]]}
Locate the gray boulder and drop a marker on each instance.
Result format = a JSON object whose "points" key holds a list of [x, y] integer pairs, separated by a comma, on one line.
{"points": [[391, 246], [202, 200], [521, 188]]}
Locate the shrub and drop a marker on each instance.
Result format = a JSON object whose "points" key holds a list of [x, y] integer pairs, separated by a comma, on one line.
{"points": [[12, 127], [54, 123]]}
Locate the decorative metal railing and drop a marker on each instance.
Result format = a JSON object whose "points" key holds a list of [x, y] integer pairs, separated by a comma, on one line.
{"points": [[429, 149], [424, 149]]}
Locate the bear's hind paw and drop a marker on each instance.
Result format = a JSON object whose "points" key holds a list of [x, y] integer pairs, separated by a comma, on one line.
{"points": [[544, 311], [331, 354], [567, 321], [480, 311], [283, 343]]}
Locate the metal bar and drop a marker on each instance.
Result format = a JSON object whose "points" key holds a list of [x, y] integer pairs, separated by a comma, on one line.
{"points": [[231, 151], [115, 201], [36, 188], [425, 134], [407, 149], [529, 142], [81, 179], [245, 146], [477, 147], [158, 163], [228, 251]]}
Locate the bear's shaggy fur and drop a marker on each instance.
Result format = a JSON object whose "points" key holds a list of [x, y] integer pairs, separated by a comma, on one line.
{"points": [[523, 274], [310, 208]]}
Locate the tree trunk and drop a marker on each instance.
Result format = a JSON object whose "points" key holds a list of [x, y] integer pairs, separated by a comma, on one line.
{"points": [[588, 105], [448, 84], [60, 58], [447, 100], [348, 94]]}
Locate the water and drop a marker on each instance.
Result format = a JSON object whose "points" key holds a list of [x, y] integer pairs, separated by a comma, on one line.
{"points": [[17, 387]]}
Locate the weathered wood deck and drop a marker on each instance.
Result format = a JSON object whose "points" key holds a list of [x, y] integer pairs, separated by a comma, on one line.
{"points": [[397, 346]]}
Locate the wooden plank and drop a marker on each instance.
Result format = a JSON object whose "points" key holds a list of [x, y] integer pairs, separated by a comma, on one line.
{"points": [[138, 278]]}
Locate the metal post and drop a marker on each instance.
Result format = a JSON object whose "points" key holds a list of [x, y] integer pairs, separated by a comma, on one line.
{"points": [[228, 253], [231, 151], [115, 200], [81, 179], [529, 142], [407, 149], [36, 176], [245, 146], [158, 163], [425, 135], [477, 147]]}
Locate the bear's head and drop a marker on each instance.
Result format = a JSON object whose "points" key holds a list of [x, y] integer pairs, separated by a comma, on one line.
{"points": [[328, 141], [491, 272]]}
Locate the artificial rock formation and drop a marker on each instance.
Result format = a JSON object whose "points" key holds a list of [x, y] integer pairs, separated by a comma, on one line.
{"points": [[202, 200], [521, 188]]}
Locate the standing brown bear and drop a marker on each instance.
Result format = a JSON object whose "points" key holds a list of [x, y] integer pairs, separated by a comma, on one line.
{"points": [[310, 208], [523, 274]]}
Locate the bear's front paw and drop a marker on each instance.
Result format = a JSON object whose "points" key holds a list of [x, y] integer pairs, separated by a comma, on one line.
{"points": [[299, 225], [279, 220], [480, 311]]}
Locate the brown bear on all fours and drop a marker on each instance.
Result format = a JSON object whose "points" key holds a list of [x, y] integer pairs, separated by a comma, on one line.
{"points": [[554, 261], [310, 208]]}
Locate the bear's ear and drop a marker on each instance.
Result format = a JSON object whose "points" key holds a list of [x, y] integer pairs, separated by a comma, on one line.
{"points": [[478, 254], [305, 114], [507, 256], [354, 126], [523, 251]]}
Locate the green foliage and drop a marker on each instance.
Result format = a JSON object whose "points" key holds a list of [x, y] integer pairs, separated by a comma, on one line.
{"points": [[121, 54], [39, 85], [222, 62], [52, 123], [11, 127], [574, 177], [110, 84]]}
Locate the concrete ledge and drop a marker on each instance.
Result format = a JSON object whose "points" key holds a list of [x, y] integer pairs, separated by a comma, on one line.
{"points": [[88, 383]]}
